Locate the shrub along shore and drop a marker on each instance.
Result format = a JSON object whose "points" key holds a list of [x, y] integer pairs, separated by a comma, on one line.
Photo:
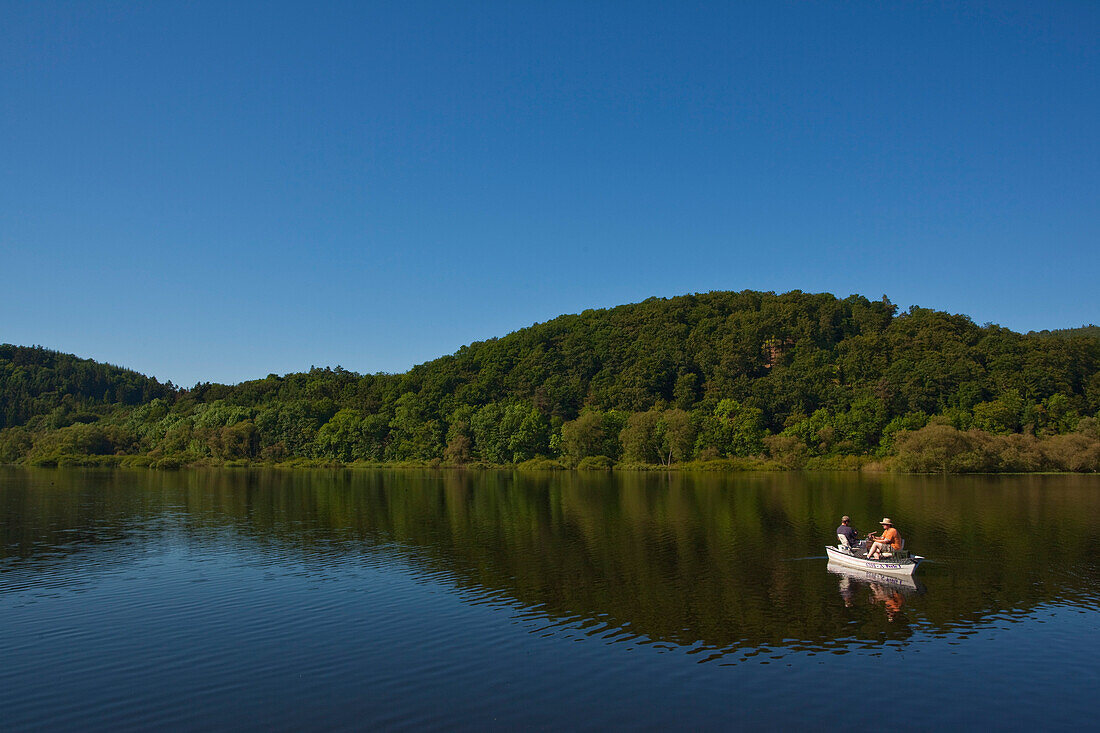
{"points": [[714, 381], [936, 448]]}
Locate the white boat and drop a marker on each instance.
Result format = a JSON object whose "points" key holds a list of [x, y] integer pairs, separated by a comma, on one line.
{"points": [[906, 565]]}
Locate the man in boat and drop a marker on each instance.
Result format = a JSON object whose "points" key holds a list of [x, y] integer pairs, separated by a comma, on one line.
{"points": [[888, 538], [848, 531]]}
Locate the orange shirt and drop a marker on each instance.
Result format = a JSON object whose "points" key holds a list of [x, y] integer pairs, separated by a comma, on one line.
{"points": [[891, 536]]}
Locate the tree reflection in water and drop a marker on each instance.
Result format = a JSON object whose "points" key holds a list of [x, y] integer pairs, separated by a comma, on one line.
{"points": [[683, 559]]}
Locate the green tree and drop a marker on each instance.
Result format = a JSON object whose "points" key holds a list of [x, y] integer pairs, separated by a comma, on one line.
{"points": [[460, 437], [1002, 415], [586, 436], [342, 437], [686, 391], [677, 435], [862, 424], [641, 438], [490, 441], [733, 429], [528, 431], [415, 434]]}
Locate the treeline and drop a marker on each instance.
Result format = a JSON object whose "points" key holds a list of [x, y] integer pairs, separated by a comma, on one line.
{"points": [[1089, 330], [36, 382], [791, 380]]}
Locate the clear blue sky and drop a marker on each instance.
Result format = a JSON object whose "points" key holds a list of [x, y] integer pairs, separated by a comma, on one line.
{"points": [[216, 191]]}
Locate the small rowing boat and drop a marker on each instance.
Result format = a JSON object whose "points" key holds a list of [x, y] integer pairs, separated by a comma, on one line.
{"points": [[899, 562]]}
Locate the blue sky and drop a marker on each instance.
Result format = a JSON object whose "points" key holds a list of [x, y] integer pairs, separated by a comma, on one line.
{"points": [[217, 191]]}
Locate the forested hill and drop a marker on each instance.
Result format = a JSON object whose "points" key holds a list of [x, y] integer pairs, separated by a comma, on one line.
{"points": [[789, 377], [1089, 330], [35, 381]]}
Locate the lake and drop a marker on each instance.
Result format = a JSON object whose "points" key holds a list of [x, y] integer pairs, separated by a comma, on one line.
{"points": [[289, 600]]}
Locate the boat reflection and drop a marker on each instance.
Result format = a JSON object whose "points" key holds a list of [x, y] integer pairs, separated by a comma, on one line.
{"points": [[891, 591]]}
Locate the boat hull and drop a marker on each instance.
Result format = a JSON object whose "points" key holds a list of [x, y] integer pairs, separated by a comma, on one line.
{"points": [[875, 566]]}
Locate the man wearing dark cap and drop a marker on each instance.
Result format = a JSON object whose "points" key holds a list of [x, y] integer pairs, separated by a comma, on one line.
{"points": [[848, 531]]}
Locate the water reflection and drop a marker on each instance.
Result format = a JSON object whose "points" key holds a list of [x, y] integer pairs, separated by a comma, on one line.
{"points": [[889, 591], [686, 560]]}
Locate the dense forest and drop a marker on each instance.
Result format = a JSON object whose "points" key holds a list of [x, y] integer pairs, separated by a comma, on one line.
{"points": [[715, 380]]}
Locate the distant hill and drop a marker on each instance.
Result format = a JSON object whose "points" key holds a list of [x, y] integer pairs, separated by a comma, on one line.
{"points": [[35, 381], [1092, 331], [693, 376]]}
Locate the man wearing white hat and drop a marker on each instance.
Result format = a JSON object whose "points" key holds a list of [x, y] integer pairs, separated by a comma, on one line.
{"points": [[889, 537]]}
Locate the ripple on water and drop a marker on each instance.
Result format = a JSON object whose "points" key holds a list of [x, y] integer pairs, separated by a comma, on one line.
{"points": [[473, 604]]}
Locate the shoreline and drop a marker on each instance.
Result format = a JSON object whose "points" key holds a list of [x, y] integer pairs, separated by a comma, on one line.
{"points": [[533, 466]]}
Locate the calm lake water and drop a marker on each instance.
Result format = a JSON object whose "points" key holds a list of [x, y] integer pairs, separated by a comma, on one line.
{"points": [[282, 600]]}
